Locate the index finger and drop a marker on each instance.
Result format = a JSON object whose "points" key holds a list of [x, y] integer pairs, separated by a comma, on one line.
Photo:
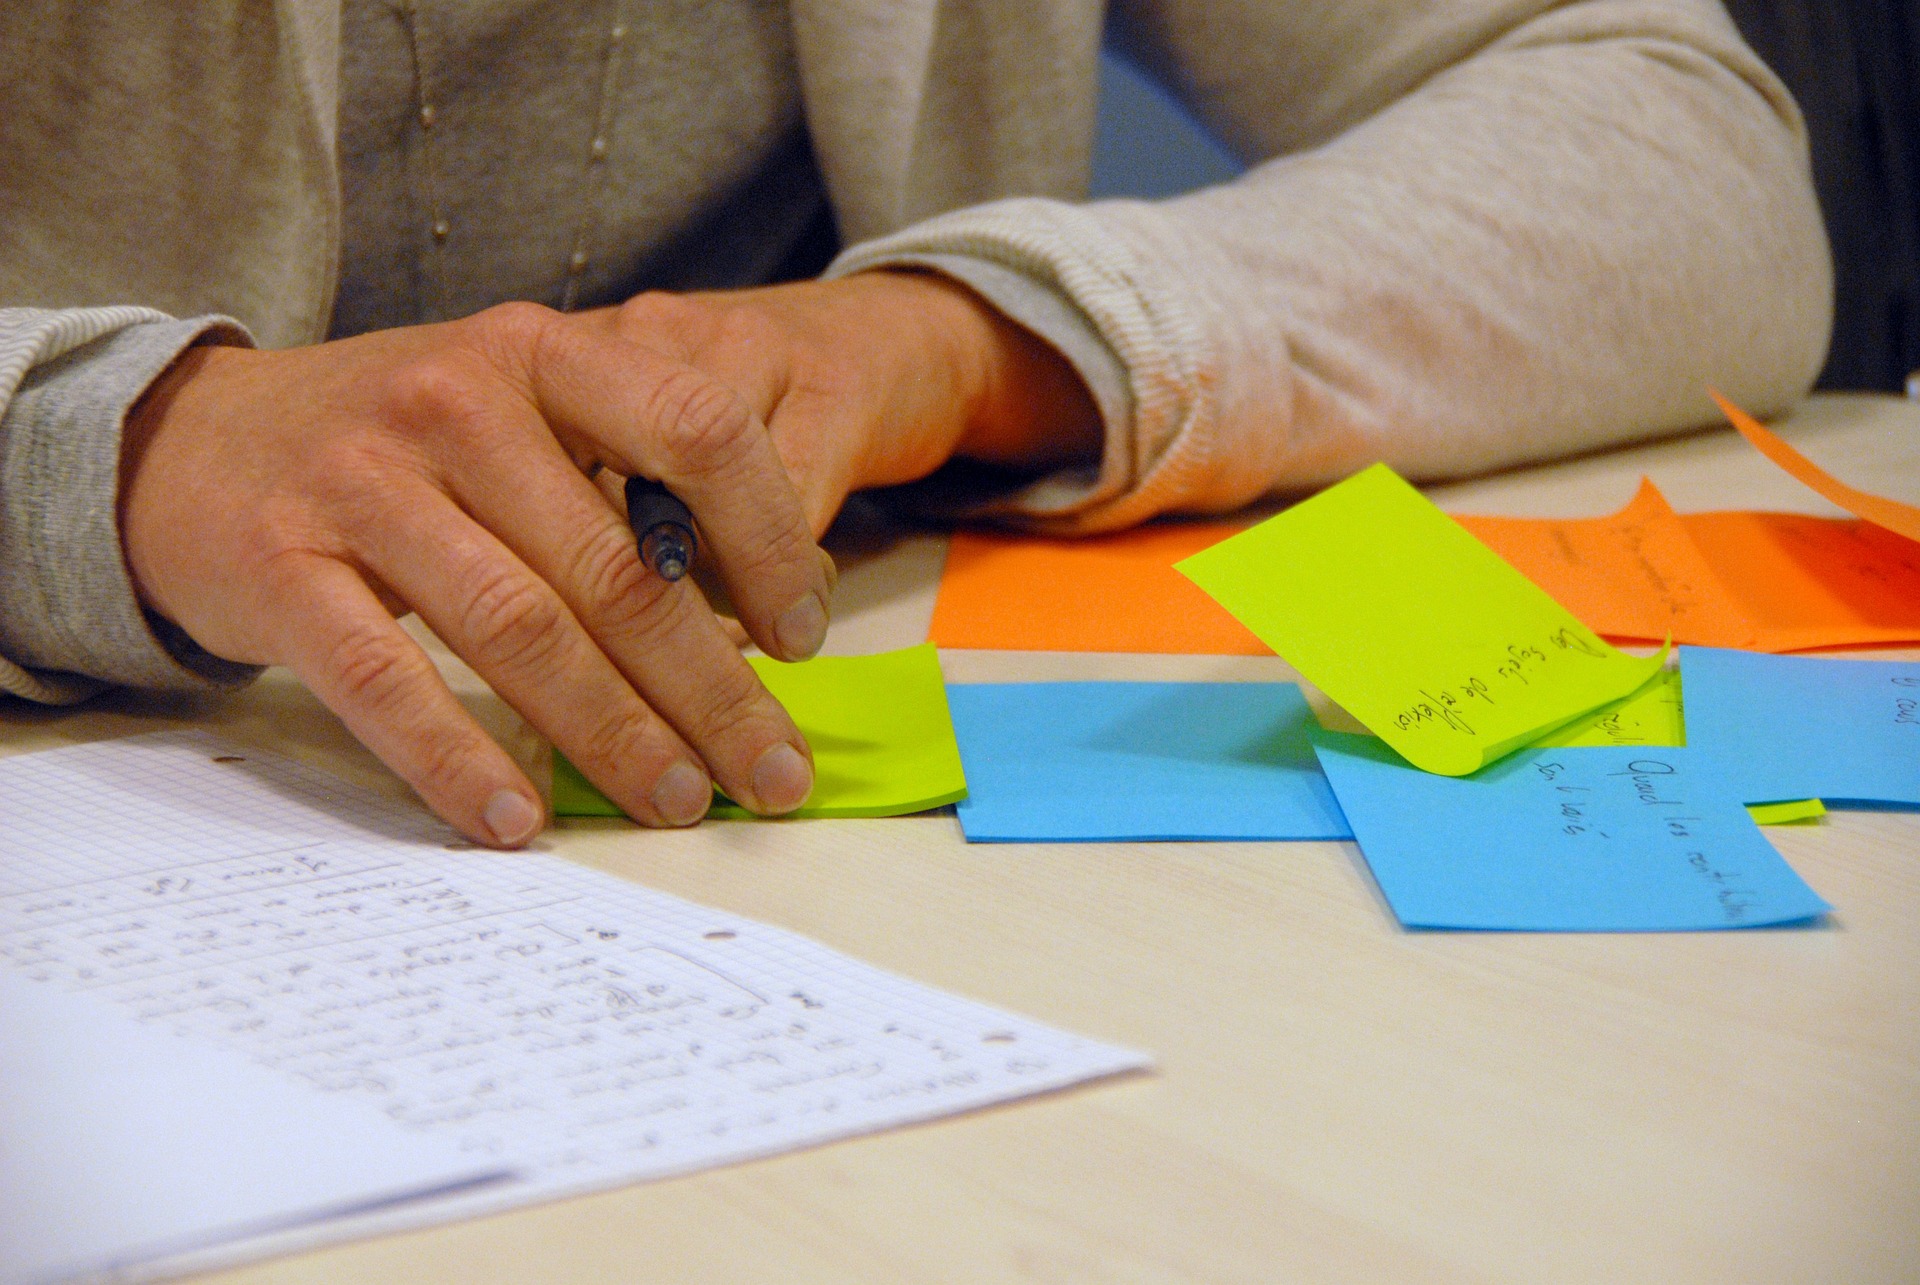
{"points": [[646, 413]]}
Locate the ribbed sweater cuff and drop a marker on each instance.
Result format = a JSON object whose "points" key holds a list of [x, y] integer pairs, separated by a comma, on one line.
{"points": [[1155, 425], [68, 610]]}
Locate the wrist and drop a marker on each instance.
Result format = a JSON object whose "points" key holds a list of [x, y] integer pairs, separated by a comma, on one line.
{"points": [[1018, 402], [143, 526]]}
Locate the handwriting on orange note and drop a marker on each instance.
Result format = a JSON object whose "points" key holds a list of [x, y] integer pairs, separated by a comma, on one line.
{"points": [[1758, 581]]}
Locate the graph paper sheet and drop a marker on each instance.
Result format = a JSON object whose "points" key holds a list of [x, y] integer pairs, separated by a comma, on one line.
{"points": [[582, 1030]]}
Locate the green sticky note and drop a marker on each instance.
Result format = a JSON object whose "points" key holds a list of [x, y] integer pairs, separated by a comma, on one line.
{"points": [[881, 735], [1420, 631], [574, 795], [1792, 812], [1653, 715]]}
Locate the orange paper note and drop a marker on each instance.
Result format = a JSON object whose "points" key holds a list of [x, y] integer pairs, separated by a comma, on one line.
{"points": [[1635, 574], [1878, 509], [1103, 593], [1759, 581]]}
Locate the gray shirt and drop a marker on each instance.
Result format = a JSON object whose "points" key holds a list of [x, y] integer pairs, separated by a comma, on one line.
{"points": [[490, 150], [671, 157], [1469, 235]]}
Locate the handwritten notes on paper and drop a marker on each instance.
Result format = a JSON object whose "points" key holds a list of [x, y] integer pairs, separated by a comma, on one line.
{"points": [[1394, 611], [586, 1031], [121, 1145], [879, 727], [1761, 581], [1635, 574], [1903, 519], [1106, 593], [1074, 762], [1793, 727], [1613, 839]]}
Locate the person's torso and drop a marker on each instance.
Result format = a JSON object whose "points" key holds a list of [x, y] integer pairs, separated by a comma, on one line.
{"points": [[569, 152]]}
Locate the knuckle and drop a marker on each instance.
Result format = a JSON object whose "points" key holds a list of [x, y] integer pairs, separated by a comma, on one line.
{"points": [[283, 527], [282, 563], [615, 582], [731, 704], [780, 554], [699, 423], [448, 755], [433, 389], [519, 326], [622, 739], [645, 315], [374, 668], [650, 619], [514, 622]]}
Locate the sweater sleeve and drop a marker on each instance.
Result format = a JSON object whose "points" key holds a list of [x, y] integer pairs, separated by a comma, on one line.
{"points": [[1475, 235], [70, 622]]}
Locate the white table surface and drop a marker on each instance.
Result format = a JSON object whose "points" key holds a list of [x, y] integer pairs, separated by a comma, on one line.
{"points": [[1336, 1098]]}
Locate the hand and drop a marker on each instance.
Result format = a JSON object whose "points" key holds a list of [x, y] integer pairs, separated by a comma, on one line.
{"points": [[281, 507], [875, 379]]}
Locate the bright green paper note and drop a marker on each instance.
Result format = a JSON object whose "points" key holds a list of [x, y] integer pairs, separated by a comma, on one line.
{"points": [[881, 735], [1653, 715], [1791, 812], [1420, 631]]}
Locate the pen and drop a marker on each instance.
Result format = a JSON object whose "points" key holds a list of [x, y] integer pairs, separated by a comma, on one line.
{"points": [[664, 527]]}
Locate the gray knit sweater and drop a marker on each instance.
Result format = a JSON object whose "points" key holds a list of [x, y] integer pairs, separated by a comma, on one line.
{"points": [[1473, 234]]}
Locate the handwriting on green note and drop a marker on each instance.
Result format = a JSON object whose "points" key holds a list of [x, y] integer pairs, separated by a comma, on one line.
{"points": [[1420, 631], [1653, 715], [881, 735]]}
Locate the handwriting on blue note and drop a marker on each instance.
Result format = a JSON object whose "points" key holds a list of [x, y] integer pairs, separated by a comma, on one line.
{"points": [[1805, 727], [1064, 762], [1589, 839]]}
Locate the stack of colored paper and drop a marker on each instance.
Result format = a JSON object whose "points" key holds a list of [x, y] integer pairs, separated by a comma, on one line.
{"points": [[1400, 615], [1414, 627], [1522, 773]]}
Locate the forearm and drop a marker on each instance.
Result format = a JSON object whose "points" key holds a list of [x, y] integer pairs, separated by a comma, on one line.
{"points": [[1552, 245], [1553, 242]]}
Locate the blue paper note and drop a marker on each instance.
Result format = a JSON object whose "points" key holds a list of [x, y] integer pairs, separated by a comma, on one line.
{"points": [[1805, 727], [1627, 838], [1063, 762]]}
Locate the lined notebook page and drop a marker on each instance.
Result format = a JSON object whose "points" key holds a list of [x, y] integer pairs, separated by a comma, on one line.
{"points": [[586, 1031]]}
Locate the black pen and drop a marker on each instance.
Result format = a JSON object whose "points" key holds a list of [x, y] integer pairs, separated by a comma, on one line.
{"points": [[663, 526]]}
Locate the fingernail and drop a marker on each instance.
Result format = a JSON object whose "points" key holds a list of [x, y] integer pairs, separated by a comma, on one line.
{"points": [[512, 817], [682, 795], [801, 628], [782, 779], [830, 568]]}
